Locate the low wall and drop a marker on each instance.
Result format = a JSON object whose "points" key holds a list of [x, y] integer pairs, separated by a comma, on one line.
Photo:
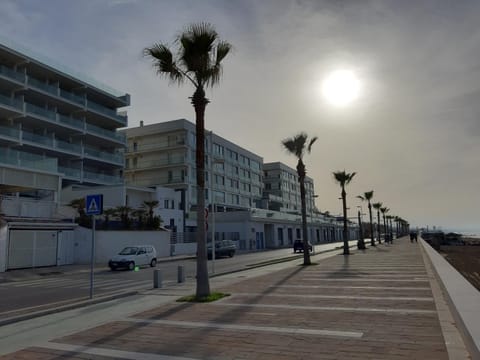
{"points": [[184, 249], [109, 243], [463, 298]]}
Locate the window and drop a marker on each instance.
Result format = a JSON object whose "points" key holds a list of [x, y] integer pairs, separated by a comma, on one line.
{"points": [[135, 146], [165, 204]]}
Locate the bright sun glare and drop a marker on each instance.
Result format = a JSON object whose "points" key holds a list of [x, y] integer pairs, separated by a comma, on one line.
{"points": [[341, 87]]}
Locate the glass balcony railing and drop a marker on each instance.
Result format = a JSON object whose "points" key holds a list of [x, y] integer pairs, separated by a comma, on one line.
{"points": [[106, 133], [69, 172], [106, 111], [37, 139], [27, 160], [10, 132], [76, 123], [72, 97], [12, 74], [105, 156], [63, 145], [15, 103], [102, 178], [41, 111], [51, 89]]}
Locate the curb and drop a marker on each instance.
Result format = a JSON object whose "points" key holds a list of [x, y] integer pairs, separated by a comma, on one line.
{"points": [[75, 305]]}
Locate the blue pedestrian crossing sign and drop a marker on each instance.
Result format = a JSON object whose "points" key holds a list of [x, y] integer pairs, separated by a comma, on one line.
{"points": [[94, 204]]}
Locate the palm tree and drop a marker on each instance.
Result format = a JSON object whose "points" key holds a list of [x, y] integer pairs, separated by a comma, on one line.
{"points": [[377, 207], [297, 146], [108, 213], [150, 205], [197, 59], [367, 196], [384, 210], [344, 179]]}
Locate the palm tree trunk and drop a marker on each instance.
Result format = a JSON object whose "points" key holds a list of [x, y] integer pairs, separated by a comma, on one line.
{"points": [[306, 250], [378, 227], [346, 250], [372, 240], [199, 102]]}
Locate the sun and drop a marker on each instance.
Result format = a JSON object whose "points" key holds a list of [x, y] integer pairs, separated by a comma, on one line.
{"points": [[341, 88]]}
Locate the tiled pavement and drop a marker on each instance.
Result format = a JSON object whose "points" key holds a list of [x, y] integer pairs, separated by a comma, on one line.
{"points": [[376, 304]]}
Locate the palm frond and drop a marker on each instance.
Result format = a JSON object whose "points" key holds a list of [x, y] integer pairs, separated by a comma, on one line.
{"points": [[361, 197], [312, 141], [342, 177], [163, 61], [368, 195], [296, 145], [377, 205]]}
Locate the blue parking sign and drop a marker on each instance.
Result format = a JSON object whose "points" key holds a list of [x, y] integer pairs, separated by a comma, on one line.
{"points": [[94, 204]]}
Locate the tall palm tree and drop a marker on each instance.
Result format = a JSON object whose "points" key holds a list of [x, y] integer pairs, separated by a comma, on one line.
{"points": [[344, 179], [197, 59], [377, 207], [298, 146], [384, 210], [367, 196]]}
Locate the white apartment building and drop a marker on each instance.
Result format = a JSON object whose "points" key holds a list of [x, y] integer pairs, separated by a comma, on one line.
{"points": [[163, 154], [56, 128], [282, 189]]}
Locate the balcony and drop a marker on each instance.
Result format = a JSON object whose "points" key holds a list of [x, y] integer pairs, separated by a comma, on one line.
{"points": [[27, 160], [79, 100], [12, 74], [14, 104], [102, 178], [160, 145], [70, 173], [104, 156], [113, 135], [106, 112], [10, 133]]}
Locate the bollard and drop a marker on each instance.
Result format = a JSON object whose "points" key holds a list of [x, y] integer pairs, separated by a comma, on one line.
{"points": [[181, 274], [157, 279]]}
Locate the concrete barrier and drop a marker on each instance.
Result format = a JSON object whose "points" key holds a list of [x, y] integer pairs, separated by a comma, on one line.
{"points": [[463, 299]]}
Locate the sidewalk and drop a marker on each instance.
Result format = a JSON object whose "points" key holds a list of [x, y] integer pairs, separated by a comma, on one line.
{"points": [[375, 304]]}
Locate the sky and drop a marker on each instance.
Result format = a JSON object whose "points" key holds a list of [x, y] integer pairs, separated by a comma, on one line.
{"points": [[412, 135]]}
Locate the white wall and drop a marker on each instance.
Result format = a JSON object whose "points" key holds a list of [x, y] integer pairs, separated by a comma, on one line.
{"points": [[109, 243], [185, 249]]}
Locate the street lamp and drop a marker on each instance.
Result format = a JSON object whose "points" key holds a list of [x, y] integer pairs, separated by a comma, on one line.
{"points": [[213, 161], [312, 201]]}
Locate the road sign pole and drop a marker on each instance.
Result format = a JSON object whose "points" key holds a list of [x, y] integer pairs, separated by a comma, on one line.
{"points": [[92, 260]]}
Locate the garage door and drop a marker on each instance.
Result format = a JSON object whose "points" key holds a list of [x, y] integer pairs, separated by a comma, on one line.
{"points": [[32, 248]]}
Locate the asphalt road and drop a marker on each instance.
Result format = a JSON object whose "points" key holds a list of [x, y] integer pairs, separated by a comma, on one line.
{"points": [[39, 292]]}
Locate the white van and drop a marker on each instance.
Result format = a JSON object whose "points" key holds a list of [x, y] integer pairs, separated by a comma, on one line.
{"points": [[132, 256]]}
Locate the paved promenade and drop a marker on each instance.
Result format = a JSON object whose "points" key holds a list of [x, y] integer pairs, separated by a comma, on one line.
{"points": [[376, 304]]}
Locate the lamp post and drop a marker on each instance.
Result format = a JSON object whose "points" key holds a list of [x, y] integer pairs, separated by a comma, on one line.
{"points": [[361, 242], [213, 161], [312, 201]]}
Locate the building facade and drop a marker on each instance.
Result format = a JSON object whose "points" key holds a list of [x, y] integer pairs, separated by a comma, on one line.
{"points": [[57, 128], [163, 154], [282, 189]]}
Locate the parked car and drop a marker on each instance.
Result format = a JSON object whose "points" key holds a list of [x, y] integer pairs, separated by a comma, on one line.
{"points": [[132, 256], [298, 246], [222, 248]]}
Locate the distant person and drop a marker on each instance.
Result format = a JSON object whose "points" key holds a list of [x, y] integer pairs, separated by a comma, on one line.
{"points": [[412, 236], [415, 236]]}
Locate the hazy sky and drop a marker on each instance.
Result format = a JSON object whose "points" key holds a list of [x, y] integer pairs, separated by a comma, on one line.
{"points": [[412, 136]]}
